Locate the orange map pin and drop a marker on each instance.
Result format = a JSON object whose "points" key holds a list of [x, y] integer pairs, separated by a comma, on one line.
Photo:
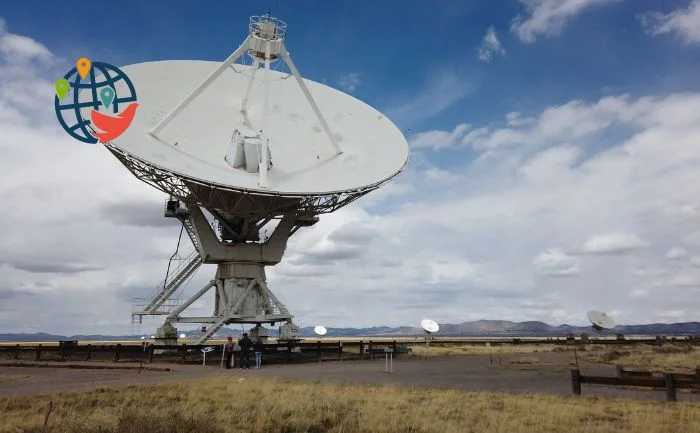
{"points": [[83, 65]]}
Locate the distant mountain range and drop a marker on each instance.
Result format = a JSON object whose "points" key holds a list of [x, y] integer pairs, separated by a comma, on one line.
{"points": [[480, 328]]}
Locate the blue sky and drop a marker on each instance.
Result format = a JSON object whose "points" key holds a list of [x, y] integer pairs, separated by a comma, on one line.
{"points": [[554, 147], [397, 47]]}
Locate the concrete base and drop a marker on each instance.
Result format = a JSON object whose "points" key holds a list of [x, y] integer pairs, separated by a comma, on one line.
{"points": [[166, 335]]}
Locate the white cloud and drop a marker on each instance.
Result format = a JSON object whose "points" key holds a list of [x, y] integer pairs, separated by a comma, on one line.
{"points": [[685, 281], [19, 49], [574, 121], [349, 81], [439, 139], [683, 22], [490, 45], [672, 314], [639, 293], [677, 253], [447, 235], [548, 17], [611, 243], [554, 262], [515, 119], [693, 238]]}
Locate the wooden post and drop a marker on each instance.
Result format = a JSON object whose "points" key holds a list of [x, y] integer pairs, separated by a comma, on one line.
{"points": [[46, 416], [150, 353], [318, 346], [619, 370], [340, 350], [89, 352], [38, 353], [370, 350], [576, 382], [394, 346], [17, 351], [289, 352], [117, 352], [670, 387], [362, 349], [184, 352]]}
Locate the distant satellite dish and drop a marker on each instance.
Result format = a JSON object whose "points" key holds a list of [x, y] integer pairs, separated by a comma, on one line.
{"points": [[153, 336], [429, 326], [600, 320], [182, 336], [320, 330], [143, 337]]}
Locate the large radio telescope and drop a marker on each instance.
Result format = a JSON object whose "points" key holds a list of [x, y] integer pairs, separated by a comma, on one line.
{"points": [[249, 147]]}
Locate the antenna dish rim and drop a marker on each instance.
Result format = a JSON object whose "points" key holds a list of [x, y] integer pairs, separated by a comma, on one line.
{"points": [[600, 319]]}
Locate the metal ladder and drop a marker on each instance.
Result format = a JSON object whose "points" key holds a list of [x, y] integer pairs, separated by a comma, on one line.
{"points": [[210, 331], [190, 264]]}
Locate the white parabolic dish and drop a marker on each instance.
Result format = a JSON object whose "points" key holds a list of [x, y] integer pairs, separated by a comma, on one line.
{"points": [[320, 330], [429, 326], [601, 320], [194, 144]]}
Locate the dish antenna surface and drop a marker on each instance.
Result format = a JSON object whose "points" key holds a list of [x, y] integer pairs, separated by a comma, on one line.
{"points": [[182, 336], [258, 151], [600, 320], [320, 330], [429, 326]]}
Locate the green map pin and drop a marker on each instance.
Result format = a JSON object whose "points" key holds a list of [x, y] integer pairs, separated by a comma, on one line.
{"points": [[107, 96], [62, 88]]}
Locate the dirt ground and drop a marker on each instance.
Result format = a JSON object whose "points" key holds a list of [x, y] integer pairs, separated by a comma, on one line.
{"points": [[549, 373]]}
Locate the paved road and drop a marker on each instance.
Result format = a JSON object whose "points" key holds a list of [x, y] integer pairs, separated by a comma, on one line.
{"points": [[470, 373]]}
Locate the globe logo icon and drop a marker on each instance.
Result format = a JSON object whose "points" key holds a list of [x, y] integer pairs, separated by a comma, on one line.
{"points": [[95, 101]]}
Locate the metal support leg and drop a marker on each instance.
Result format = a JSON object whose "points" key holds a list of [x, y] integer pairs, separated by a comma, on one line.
{"points": [[324, 124], [262, 166], [207, 81], [190, 301]]}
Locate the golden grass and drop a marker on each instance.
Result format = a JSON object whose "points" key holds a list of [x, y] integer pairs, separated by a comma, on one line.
{"points": [[422, 351], [257, 405], [669, 357]]}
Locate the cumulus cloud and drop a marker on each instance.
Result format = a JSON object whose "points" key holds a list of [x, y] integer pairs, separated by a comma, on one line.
{"points": [[447, 237], [20, 49], [349, 81], [548, 17], [612, 243], [490, 45], [554, 262], [685, 281], [677, 253], [683, 22]]}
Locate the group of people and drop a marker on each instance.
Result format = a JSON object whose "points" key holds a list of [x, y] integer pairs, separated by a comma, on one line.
{"points": [[244, 346]]}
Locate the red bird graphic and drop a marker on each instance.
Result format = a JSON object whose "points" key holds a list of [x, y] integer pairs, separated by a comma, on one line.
{"points": [[113, 126]]}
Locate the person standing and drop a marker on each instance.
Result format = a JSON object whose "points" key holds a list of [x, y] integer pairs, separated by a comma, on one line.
{"points": [[229, 352], [246, 344], [258, 347]]}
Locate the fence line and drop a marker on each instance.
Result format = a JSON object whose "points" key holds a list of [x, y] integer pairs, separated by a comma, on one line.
{"points": [[668, 381], [283, 352]]}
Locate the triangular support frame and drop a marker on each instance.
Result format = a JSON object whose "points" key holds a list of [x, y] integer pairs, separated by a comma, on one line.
{"points": [[263, 35]]}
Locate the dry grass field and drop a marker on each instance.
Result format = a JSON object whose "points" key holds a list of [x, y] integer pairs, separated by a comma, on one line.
{"points": [[423, 351], [272, 406], [669, 357]]}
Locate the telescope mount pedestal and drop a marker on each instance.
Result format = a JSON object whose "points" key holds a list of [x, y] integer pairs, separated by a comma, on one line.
{"points": [[240, 285]]}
